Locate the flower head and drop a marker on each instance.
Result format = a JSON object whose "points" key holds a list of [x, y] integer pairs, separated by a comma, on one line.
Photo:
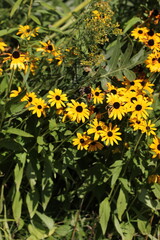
{"points": [[17, 60], [111, 135], [82, 141], [97, 95], [96, 128], [57, 98], [15, 93], [38, 107], [27, 32], [78, 111], [155, 146]]}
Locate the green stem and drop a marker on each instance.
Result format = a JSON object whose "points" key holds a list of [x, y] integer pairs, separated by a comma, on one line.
{"points": [[30, 7], [138, 142], [69, 15], [10, 82]]}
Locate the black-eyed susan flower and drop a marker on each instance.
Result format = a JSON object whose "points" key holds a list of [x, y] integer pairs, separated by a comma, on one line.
{"points": [[153, 43], [15, 93], [46, 47], [155, 146], [1, 71], [154, 178], [77, 111], [95, 128], [38, 107], [27, 32], [17, 60], [140, 107], [97, 95], [94, 146], [29, 98], [2, 46], [82, 141], [139, 33], [137, 123], [153, 62], [148, 127], [57, 98], [145, 85], [116, 106], [111, 135]]}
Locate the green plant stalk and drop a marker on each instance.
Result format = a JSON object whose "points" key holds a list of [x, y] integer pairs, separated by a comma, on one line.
{"points": [[69, 15], [30, 7], [10, 82]]}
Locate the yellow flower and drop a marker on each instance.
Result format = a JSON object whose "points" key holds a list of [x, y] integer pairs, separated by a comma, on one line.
{"points": [[140, 107], [27, 32], [78, 111], [148, 128], [47, 47], [1, 71], [57, 98], [153, 62], [2, 46], [154, 179], [137, 123], [15, 93], [97, 95], [17, 60], [111, 135], [82, 141], [96, 128], [139, 33], [155, 146], [117, 107], [29, 98], [94, 146], [153, 43], [38, 107]]}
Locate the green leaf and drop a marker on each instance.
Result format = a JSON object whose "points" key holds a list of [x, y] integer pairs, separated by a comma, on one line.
{"points": [[17, 207], [156, 190], [128, 230], [10, 144], [18, 132], [38, 233], [18, 171], [115, 169], [131, 23], [144, 226], [112, 63], [130, 75], [35, 19], [15, 7], [46, 5], [126, 184], [7, 31], [104, 214], [63, 230], [118, 227], [145, 198], [32, 200], [121, 203], [46, 220]]}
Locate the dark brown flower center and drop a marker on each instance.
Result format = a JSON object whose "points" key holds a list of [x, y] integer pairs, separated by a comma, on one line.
{"points": [[97, 93], [79, 109], [133, 99], [81, 140], [30, 99], [148, 128], [57, 97], [158, 147], [138, 122], [110, 134], [98, 128], [28, 30], [138, 107], [116, 105], [50, 47], [143, 83], [153, 59], [159, 59], [113, 91], [87, 90], [15, 54], [151, 42], [140, 31], [132, 83], [93, 143], [39, 107], [150, 33]]}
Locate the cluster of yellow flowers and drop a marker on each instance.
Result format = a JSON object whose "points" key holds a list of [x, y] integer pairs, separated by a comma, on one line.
{"points": [[151, 39], [132, 101], [23, 60]]}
